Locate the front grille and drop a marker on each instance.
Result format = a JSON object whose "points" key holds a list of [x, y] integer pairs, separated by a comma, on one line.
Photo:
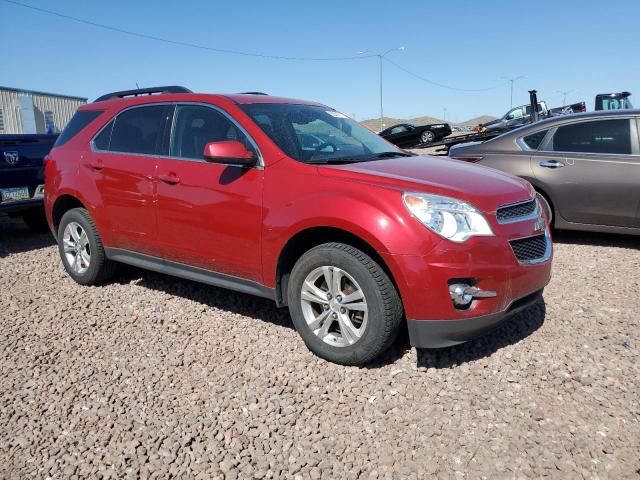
{"points": [[515, 211], [529, 249]]}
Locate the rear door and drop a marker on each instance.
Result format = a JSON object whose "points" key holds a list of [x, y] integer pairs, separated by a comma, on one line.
{"points": [[209, 214], [123, 164], [593, 171]]}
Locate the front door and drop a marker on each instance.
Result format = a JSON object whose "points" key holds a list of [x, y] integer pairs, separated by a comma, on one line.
{"points": [[209, 214]]}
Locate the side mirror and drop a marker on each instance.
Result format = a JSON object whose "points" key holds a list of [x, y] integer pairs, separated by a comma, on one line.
{"points": [[229, 152]]}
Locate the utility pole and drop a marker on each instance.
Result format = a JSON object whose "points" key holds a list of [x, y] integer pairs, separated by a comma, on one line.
{"points": [[380, 58], [512, 81], [564, 95]]}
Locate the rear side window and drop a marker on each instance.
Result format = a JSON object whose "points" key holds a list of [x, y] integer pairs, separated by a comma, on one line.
{"points": [[534, 140], [138, 130], [80, 120], [599, 136], [102, 141]]}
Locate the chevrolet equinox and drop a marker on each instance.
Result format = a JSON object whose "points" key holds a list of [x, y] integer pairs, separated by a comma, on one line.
{"points": [[294, 201]]}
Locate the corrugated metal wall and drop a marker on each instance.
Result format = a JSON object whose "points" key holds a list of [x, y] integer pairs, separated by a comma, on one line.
{"points": [[61, 108]]}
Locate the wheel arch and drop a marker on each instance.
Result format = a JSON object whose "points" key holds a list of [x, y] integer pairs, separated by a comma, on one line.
{"points": [[308, 238], [62, 205], [542, 191]]}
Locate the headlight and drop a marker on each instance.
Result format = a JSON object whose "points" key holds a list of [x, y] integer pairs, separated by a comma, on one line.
{"points": [[452, 219]]}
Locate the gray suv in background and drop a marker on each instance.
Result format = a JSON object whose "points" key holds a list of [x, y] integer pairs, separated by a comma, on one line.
{"points": [[586, 166]]}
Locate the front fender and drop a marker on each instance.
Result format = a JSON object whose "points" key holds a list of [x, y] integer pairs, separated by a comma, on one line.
{"points": [[375, 214]]}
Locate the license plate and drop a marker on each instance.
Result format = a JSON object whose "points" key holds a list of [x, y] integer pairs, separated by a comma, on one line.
{"points": [[14, 194]]}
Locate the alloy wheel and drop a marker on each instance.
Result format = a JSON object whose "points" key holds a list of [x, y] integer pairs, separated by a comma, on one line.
{"points": [[334, 306], [77, 250]]}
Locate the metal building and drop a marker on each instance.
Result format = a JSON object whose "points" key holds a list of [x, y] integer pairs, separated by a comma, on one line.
{"points": [[25, 111]]}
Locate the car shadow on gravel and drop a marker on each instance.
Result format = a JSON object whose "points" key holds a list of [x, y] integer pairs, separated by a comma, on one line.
{"points": [[15, 237], [596, 239], [210, 296], [508, 333]]}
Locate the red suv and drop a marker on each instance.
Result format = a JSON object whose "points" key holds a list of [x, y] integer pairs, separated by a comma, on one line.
{"points": [[294, 201]]}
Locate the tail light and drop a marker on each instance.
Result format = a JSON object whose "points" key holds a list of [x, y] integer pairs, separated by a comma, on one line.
{"points": [[469, 159]]}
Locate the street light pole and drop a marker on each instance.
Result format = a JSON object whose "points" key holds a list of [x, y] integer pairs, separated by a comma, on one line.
{"points": [[380, 58], [564, 95], [381, 109], [513, 80]]}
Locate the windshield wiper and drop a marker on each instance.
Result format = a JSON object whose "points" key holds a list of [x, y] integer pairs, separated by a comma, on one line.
{"points": [[320, 161], [393, 154]]}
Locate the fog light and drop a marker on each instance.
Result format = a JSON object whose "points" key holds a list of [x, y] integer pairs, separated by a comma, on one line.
{"points": [[459, 294], [463, 294]]}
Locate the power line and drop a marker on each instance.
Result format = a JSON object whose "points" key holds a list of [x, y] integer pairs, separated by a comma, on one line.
{"points": [[181, 43], [440, 84]]}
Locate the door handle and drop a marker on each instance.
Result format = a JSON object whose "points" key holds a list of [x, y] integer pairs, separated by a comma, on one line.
{"points": [[551, 164], [96, 166], [171, 179]]}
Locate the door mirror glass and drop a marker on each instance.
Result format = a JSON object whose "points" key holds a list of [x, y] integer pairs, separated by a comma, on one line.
{"points": [[229, 152]]}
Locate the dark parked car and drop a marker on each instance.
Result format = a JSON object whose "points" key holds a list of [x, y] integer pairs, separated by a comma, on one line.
{"points": [[21, 177], [407, 135], [586, 165]]}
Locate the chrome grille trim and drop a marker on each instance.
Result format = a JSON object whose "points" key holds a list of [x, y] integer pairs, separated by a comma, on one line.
{"points": [[532, 250], [518, 212]]}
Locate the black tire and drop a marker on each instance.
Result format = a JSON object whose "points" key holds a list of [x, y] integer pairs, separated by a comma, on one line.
{"points": [[100, 269], [384, 306], [427, 136], [36, 220], [546, 205]]}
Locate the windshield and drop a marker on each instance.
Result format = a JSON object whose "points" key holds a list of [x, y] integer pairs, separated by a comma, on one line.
{"points": [[313, 134]]}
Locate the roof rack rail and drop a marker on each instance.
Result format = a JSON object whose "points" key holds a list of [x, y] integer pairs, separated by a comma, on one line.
{"points": [[143, 91], [253, 93]]}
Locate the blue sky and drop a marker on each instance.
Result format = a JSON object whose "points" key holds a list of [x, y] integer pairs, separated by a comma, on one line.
{"points": [[582, 46]]}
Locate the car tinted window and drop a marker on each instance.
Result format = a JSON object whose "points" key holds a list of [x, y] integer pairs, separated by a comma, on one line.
{"points": [[195, 126], [599, 136], [533, 141], [101, 142], [80, 120], [137, 130]]}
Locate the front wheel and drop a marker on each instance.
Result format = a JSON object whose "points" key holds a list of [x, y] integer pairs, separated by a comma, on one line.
{"points": [[343, 304]]}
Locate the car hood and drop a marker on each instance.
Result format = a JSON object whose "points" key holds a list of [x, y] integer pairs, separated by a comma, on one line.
{"points": [[483, 187]]}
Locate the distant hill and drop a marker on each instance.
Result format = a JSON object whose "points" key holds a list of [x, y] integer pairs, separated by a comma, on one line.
{"points": [[374, 123], [477, 120]]}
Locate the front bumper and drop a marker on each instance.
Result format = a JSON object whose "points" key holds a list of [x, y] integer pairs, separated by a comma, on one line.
{"points": [[445, 333]]}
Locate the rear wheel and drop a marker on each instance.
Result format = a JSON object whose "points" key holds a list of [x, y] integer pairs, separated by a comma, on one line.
{"points": [[427, 136], [343, 304], [547, 208], [81, 249], [36, 220]]}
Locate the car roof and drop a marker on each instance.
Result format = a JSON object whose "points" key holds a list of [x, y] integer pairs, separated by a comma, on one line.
{"points": [[237, 98], [563, 119]]}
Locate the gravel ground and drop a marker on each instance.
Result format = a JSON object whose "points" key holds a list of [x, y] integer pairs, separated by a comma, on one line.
{"points": [[153, 377]]}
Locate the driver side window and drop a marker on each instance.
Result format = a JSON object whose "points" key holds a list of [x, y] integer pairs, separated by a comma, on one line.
{"points": [[515, 113], [195, 125]]}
